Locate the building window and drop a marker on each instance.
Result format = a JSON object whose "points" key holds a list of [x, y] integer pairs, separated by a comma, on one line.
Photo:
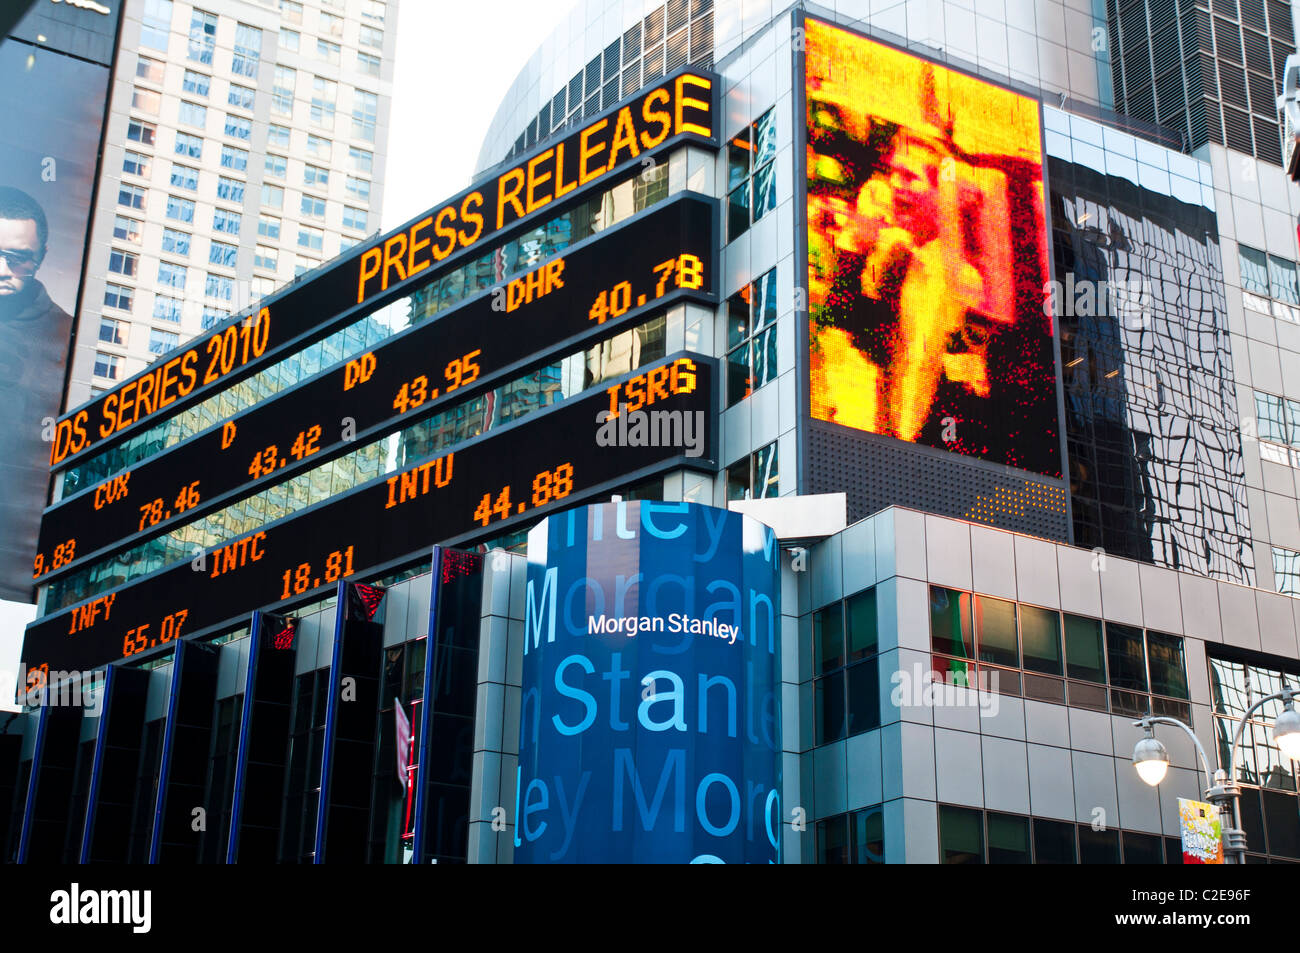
{"points": [[119, 296], [136, 163], [754, 477], [330, 25], [156, 24], [1046, 655], [184, 177], [141, 132], [290, 40], [365, 113], [203, 36], [319, 148], [368, 64], [219, 253], [277, 136], [225, 221], [220, 287], [275, 166], [312, 207], [961, 835], [149, 69], [371, 37], [272, 196], [241, 97], [160, 342], [312, 238], [358, 187], [238, 128], [354, 218], [373, 10], [751, 338], [265, 257], [1236, 684], [213, 316], [106, 365], [324, 94], [1286, 571], [127, 229], [248, 50], [189, 146], [196, 83], [193, 115], [146, 101], [286, 80], [751, 175], [268, 227], [233, 158], [291, 11], [846, 691], [230, 190], [176, 242], [166, 308], [971, 836], [132, 196], [329, 52], [123, 263], [1268, 275], [171, 276], [112, 331], [854, 838], [362, 161], [315, 175], [303, 265]]}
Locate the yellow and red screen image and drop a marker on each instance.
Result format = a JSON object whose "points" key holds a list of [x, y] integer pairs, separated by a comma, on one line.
{"points": [[927, 255]]}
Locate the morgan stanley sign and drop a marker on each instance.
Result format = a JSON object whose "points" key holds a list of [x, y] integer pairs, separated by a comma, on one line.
{"points": [[650, 722]]}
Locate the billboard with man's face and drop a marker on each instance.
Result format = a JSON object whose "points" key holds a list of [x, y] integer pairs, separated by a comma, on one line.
{"points": [[54, 108], [927, 255]]}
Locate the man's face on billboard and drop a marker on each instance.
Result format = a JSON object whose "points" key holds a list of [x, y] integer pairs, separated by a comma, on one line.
{"points": [[20, 254], [914, 175]]}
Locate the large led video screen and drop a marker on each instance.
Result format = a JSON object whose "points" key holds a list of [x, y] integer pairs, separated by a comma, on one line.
{"points": [[927, 255]]}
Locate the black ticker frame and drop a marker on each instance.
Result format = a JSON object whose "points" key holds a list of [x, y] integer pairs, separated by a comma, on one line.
{"points": [[338, 282], [89, 634], [530, 336]]}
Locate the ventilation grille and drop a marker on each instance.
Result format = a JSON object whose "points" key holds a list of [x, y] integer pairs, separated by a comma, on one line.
{"points": [[875, 473]]}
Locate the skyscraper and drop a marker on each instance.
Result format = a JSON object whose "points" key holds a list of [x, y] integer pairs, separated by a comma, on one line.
{"points": [[246, 145]]}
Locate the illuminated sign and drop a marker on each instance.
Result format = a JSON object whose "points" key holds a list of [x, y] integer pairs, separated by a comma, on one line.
{"points": [[650, 717], [604, 283], [927, 255], [682, 106], [485, 485]]}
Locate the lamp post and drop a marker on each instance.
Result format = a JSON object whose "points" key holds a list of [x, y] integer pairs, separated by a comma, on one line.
{"points": [[1151, 760]]}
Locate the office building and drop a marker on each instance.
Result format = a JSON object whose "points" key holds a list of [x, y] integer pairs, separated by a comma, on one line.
{"points": [[246, 143]]}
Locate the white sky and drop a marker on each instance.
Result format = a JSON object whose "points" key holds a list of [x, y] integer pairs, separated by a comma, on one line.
{"points": [[455, 60]]}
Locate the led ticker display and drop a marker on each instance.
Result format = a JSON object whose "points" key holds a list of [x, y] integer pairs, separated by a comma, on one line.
{"points": [[604, 283], [927, 255], [478, 489], [681, 106]]}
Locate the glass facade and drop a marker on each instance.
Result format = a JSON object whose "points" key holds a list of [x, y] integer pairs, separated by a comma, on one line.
{"points": [[1152, 429]]}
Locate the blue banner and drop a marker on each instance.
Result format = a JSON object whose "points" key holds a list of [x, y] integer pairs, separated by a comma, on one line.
{"points": [[650, 722]]}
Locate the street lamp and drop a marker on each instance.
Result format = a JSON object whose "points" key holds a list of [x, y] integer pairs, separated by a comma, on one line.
{"points": [[1151, 760]]}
